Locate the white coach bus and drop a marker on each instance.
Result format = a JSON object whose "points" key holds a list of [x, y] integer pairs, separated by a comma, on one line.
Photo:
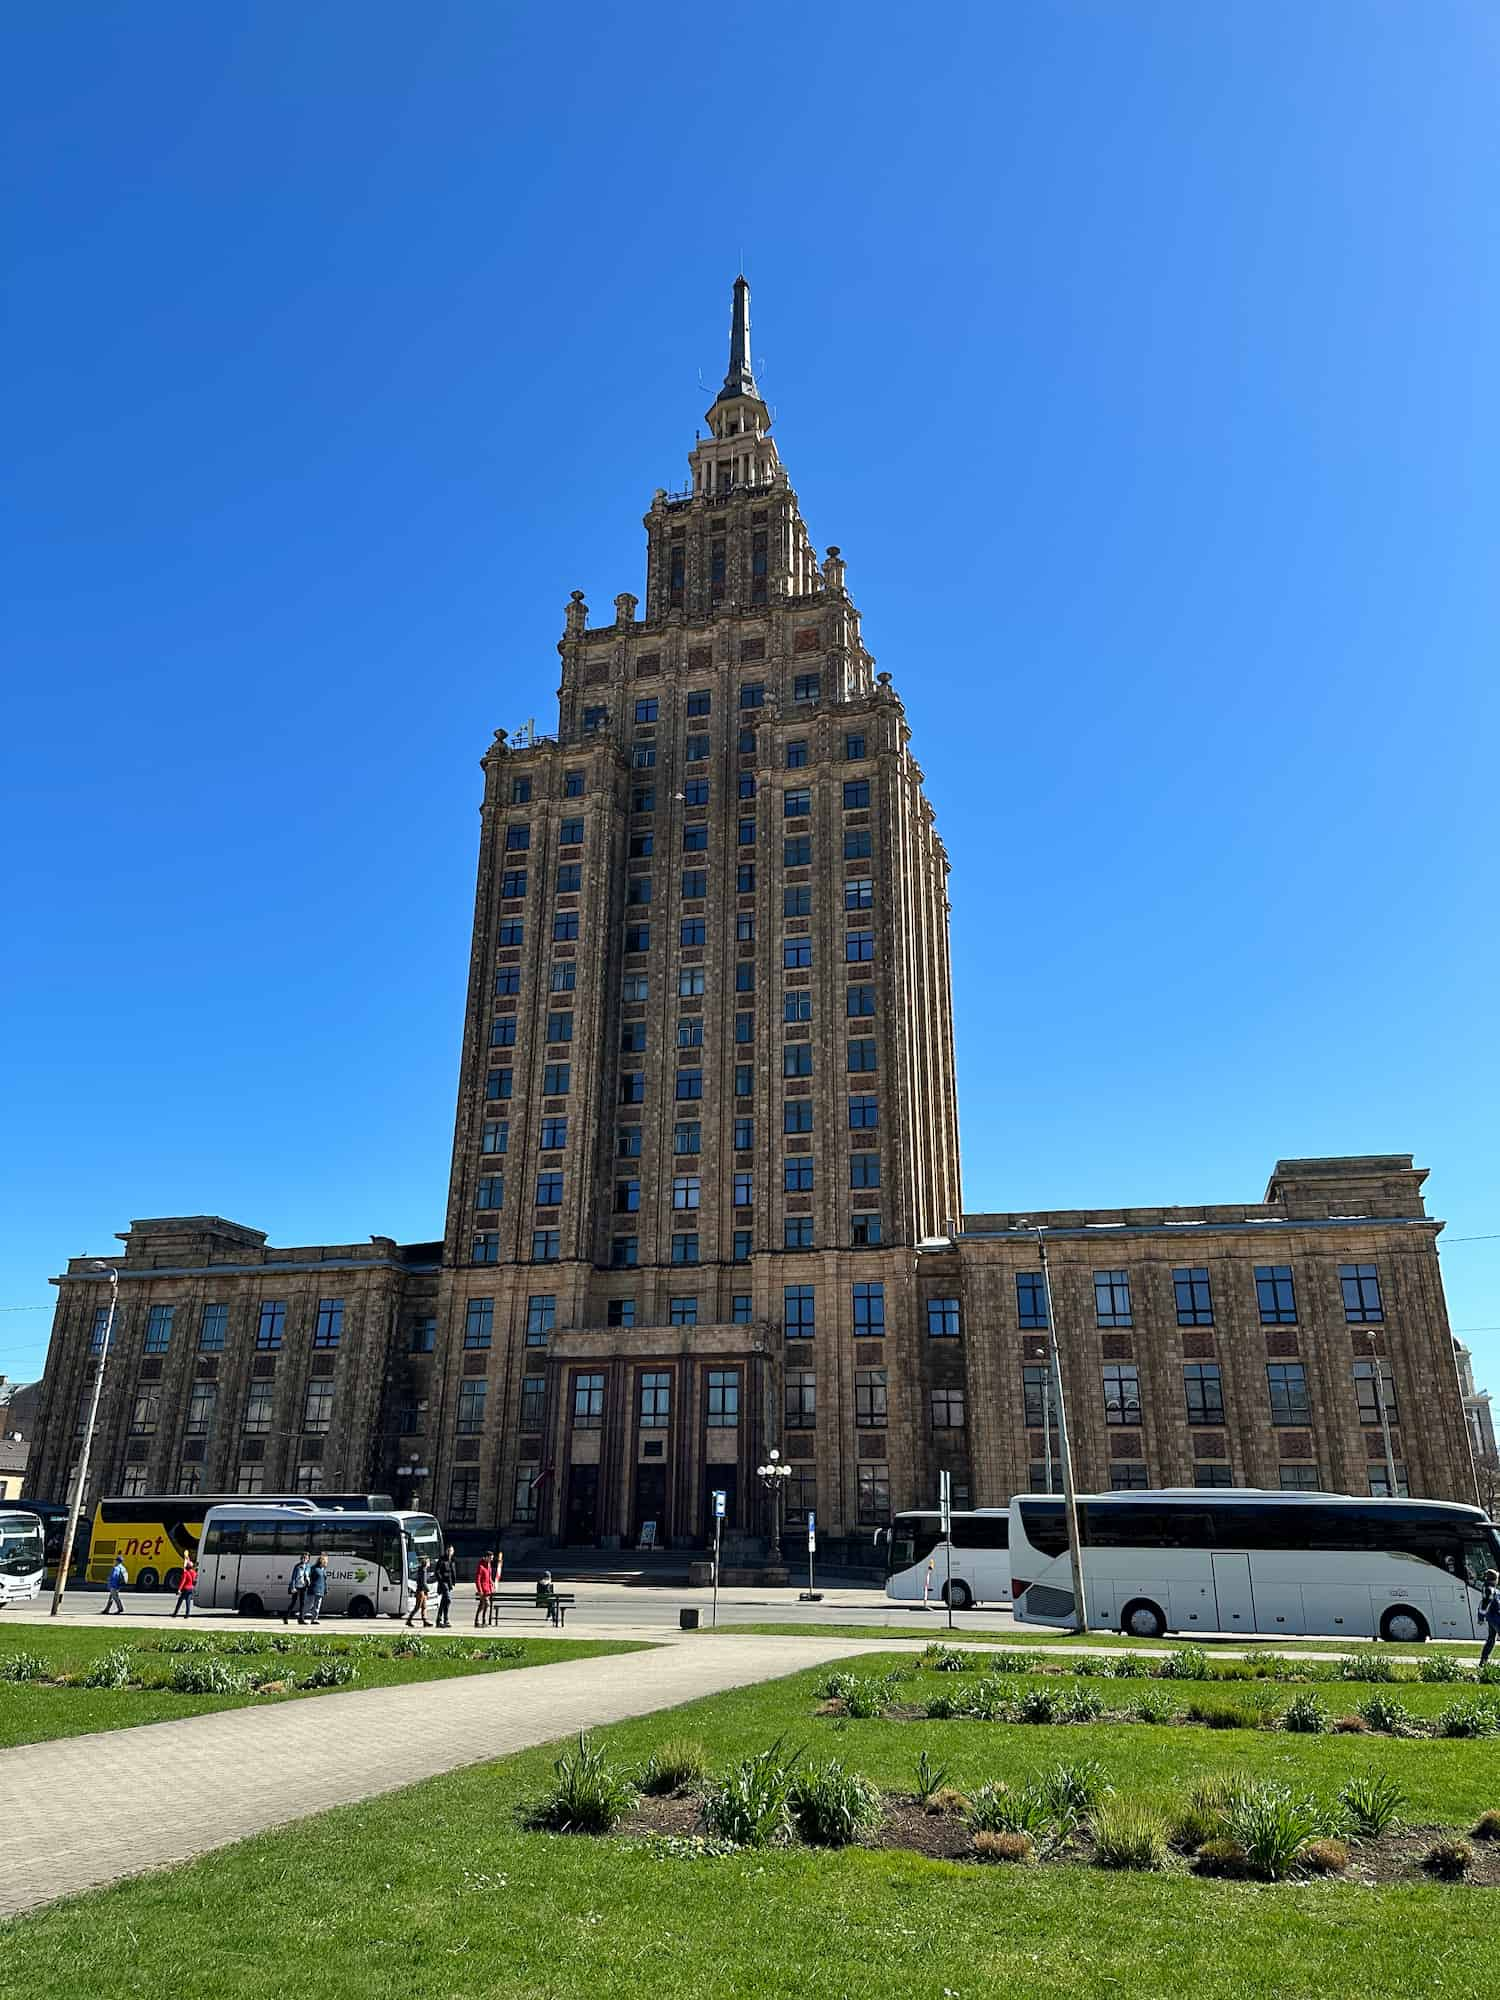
{"points": [[1194, 1560], [22, 1557], [248, 1553], [917, 1557]]}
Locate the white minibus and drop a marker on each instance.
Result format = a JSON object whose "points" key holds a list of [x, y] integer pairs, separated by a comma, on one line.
{"points": [[248, 1553], [22, 1556], [917, 1557]]}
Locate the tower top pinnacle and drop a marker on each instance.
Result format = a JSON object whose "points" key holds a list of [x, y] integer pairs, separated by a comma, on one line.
{"points": [[740, 380]]}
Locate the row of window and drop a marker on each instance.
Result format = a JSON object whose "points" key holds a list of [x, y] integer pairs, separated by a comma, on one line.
{"points": [[203, 1403], [872, 1495], [861, 1058], [213, 1326], [1275, 1294], [752, 695], [573, 781], [1203, 1388], [250, 1478], [865, 1233], [1132, 1476]]}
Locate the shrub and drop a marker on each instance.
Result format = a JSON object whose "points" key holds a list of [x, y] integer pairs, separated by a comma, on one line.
{"points": [[1128, 1834], [1305, 1715], [207, 1676], [408, 1647], [1012, 1660], [1372, 1805], [186, 1642], [1449, 1860], [1487, 1826], [1489, 1674], [1073, 1792], [1385, 1712], [114, 1669], [1204, 1814], [832, 1807], [1188, 1663], [1004, 1846], [997, 1809], [1367, 1667], [864, 1696], [1273, 1827], [1125, 1667], [1440, 1667], [1325, 1857], [1153, 1705], [988, 1699], [1081, 1705], [1221, 1856], [931, 1779], [752, 1805], [948, 1801], [1218, 1714], [1467, 1717], [674, 1766], [1039, 1704], [939, 1659], [589, 1795], [22, 1667], [329, 1674], [946, 1707]]}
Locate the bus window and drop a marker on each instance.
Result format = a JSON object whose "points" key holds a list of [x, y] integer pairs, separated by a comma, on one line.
{"points": [[390, 1553], [981, 1531], [260, 1538], [292, 1540], [224, 1538]]}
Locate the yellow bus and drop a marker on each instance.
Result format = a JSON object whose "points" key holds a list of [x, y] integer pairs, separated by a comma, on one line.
{"points": [[152, 1532]]}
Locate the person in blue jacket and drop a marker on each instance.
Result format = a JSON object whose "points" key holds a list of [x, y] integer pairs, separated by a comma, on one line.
{"points": [[119, 1576], [317, 1590]]}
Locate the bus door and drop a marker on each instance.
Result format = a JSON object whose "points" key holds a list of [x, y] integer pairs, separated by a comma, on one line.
{"points": [[390, 1574]]}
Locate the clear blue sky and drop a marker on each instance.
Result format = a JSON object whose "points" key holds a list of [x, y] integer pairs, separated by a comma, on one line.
{"points": [[1142, 359]]}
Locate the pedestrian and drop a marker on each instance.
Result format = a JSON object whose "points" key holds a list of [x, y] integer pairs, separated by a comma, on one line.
{"points": [[484, 1584], [419, 1582], [296, 1604], [1489, 1611], [119, 1576], [497, 1568], [317, 1589], [186, 1588], [445, 1575]]}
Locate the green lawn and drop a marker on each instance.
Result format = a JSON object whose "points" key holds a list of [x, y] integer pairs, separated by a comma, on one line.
{"points": [[437, 1893], [32, 1711], [1037, 1636]]}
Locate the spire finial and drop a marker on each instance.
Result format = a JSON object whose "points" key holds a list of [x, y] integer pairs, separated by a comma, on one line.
{"points": [[740, 381]]}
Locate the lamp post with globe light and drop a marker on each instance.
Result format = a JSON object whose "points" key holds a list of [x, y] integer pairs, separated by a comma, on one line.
{"points": [[773, 1475]]}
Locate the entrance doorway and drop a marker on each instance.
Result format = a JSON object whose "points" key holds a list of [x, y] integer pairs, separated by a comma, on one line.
{"points": [[580, 1529], [650, 1503], [726, 1480]]}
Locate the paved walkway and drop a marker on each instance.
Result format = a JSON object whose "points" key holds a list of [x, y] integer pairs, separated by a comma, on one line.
{"points": [[85, 1810]]}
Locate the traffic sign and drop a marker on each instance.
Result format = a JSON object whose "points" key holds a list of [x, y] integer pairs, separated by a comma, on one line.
{"points": [[812, 1532], [720, 1496]]}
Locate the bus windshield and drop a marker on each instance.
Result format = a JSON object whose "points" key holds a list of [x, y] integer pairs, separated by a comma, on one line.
{"points": [[21, 1549], [422, 1539], [912, 1538]]}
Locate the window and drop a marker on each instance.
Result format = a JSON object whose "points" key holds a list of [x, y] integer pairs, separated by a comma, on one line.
{"points": [[797, 1059], [549, 1190], [628, 1142], [546, 1246], [494, 1136], [739, 1309], [503, 1033], [796, 755], [643, 757], [620, 1312], [1122, 1393], [805, 687], [317, 1404], [159, 1329], [1212, 1475], [554, 1134], [796, 954], [869, 1398], [796, 902], [1036, 1396], [533, 1402], [1299, 1479], [745, 833], [858, 844], [624, 1253], [637, 937], [507, 980], [862, 1055], [744, 976], [1380, 1483], [479, 1322], [744, 1079], [212, 1328], [695, 793], [801, 1399], [797, 1115], [795, 804], [570, 833], [656, 1401], [646, 711], [864, 1231], [797, 1233], [556, 1079], [1287, 1381], [689, 1083], [257, 1418], [859, 947], [797, 1006], [744, 1190], [856, 793], [864, 1114], [744, 1134], [328, 1330], [565, 925], [594, 717], [641, 847], [1195, 1305], [1128, 1476], [859, 1000], [687, 1138], [797, 1176], [864, 1170], [874, 1502], [520, 791], [752, 695], [1370, 1397], [201, 1406], [692, 931], [472, 1393], [690, 980], [694, 883], [98, 1330], [485, 1248], [745, 742], [797, 853], [1276, 1294], [685, 1248], [643, 799], [747, 785], [517, 839], [696, 749], [1204, 1388], [744, 877], [190, 1479], [635, 986], [686, 1189], [742, 1246], [588, 1402], [943, 1319], [572, 784], [422, 1338], [570, 879], [682, 1311], [511, 932], [799, 1311], [723, 1398], [859, 894], [513, 883], [947, 1407], [1360, 1284], [1112, 1298], [271, 1324], [690, 1032], [463, 1498], [744, 1027], [633, 1037], [700, 702], [497, 1085], [869, 1309], [251, 1477]]}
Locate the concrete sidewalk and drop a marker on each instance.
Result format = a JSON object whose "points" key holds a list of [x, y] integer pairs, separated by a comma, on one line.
{"points": [[85, 1810]]}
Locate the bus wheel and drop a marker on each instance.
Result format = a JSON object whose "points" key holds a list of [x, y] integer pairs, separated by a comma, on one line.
{"points": [[147, 1579], [361, 1608], [173, 1579], [958, 1595], [1142, 1619], [250, 1606], [1401, 1626]]}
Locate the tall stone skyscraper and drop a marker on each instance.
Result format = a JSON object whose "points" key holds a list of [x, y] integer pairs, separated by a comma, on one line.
{"points": [[707, 1105]]}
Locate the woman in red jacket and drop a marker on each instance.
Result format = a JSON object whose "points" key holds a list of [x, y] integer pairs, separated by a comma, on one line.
{"points": [[484, 1584], [186, 1588]]}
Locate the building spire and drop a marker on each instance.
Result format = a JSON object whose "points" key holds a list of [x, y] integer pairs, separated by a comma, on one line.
{"points": [[740, 381]]}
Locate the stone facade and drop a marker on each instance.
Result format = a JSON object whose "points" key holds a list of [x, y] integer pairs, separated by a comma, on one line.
{"points": [[705, 1191]]}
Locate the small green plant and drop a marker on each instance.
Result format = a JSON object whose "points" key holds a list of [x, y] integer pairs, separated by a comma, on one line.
{"points": [[1188, 1663], [1487, 1826], [1002, 1846], [329, 1674], [1212, 1714], [997, 1809], [1448, 1860], [589, 1795], [1073, 1792], [863, 1696], [1128, 1834], [931, 1779], [408, 1647], [1467, 1717], [988, 1699], [114, 1669], [1153, 1705], [832, 1807], [1440, 1667], [1273, 1826], [22, 1667], [205, 1676], [1386, 1713], [1204, 1812], [1125, 1667], [1012, 1660], [1372, 1804], [1325, 1857], [1081, 1705], [939, 1659], [752, 1805], [1367, 1666], [948, 1706], [678, 1765], [1304, 1715], [1039, 1704]]}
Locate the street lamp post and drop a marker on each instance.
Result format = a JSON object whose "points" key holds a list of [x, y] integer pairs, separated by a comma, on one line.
{"points": [[773, 1475], [64, 1561], [1064, 1450]]}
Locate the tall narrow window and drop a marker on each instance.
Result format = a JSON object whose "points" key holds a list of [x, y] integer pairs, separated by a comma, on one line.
{"points": [[329, 1330]]}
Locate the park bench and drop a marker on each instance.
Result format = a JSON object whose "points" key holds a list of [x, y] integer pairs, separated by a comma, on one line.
{"points": [[556, 1603]]}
